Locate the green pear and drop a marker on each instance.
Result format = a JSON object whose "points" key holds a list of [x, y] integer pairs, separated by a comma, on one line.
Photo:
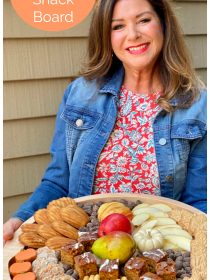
{"points": [[115, 245]]}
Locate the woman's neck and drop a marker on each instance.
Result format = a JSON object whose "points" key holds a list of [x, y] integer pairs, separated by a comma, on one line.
{"points": [[142, 82]]}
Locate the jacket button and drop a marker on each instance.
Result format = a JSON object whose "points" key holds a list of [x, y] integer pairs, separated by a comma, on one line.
{"points": [[169, 178], [79, 122], [162, 141]]}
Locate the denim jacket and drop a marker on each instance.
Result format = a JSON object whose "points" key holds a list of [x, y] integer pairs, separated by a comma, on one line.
{"points": [[84, 122]]}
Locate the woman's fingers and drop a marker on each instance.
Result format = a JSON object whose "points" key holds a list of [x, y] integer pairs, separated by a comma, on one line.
{"points": [[10, 227]]}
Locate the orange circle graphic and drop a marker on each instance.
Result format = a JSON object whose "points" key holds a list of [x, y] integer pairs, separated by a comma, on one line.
{"points": [[53, 15]]}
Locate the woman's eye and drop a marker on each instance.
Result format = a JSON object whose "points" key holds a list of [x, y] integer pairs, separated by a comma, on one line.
{"points": [[117, 27], [144, 20]]}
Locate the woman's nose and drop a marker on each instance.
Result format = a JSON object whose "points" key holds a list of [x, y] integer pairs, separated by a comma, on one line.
{"points": [[133, 33]]}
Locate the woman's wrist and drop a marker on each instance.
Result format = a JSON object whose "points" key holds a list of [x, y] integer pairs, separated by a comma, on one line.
{"points": [[16, 222]]}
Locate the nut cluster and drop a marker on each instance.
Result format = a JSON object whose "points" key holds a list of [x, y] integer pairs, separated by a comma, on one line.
{"points": [[182, 263]]}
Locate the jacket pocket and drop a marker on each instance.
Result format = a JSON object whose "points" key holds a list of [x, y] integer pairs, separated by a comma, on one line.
{"points": [[183, 133], [80, 118]]}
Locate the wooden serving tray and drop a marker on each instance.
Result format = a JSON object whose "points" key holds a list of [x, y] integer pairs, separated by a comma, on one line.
{"points": [[14, 246]]}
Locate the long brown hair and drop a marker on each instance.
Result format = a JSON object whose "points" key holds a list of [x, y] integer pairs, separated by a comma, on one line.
{"points": [[177, 74]]}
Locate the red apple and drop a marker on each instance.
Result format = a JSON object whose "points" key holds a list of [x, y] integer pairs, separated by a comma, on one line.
{"points": [[114, 222]]}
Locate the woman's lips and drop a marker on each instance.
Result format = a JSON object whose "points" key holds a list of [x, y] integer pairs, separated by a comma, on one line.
{"points": [[138, 49]]}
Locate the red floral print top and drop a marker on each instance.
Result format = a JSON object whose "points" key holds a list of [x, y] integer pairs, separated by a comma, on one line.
{"points": [[128, 161]]}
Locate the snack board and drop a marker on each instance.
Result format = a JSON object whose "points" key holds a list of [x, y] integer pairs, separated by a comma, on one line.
{"points": [[14, 246]]}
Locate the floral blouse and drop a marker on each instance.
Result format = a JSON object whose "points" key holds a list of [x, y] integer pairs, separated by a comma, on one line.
{"points": [[128, 161]]}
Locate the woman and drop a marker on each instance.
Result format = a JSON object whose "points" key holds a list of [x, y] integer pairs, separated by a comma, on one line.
{"points": [[136, 119]]}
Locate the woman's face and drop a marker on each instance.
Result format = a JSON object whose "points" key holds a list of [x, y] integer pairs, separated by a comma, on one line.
{"points": [[136, 34]]}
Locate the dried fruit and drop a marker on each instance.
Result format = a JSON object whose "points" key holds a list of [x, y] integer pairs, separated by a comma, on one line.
{"points": [[19, 268], [27, 255]]}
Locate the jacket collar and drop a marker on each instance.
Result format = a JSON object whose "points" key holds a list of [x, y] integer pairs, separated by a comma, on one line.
{"points": [[174, 101], [113, 84], [180, 99]]}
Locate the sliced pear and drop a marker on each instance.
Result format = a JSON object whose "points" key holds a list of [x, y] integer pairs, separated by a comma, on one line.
{"points": [[147, 210], [161, 206], [168, 245], [140, 219], [180, 241], [159, 214], [173, 226], [173, 231], [164, 221], [139, 206], [149, 224]]}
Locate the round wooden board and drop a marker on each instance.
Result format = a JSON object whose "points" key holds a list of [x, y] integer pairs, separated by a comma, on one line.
{"points": [[14, 246]]}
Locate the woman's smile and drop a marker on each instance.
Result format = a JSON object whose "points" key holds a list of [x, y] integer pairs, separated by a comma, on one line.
{"points": [[139, 49]]}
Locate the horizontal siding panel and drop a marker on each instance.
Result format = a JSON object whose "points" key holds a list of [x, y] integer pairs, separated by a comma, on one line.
{"points": [[42, 58], [41, 98], [49, 58], [11, 204], [22, 175], [192, 17], [198, 49], [202, 73], [27, 137], [15, 27]]}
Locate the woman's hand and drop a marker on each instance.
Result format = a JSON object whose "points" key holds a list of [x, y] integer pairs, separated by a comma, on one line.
{"points": [[9, 228]]}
